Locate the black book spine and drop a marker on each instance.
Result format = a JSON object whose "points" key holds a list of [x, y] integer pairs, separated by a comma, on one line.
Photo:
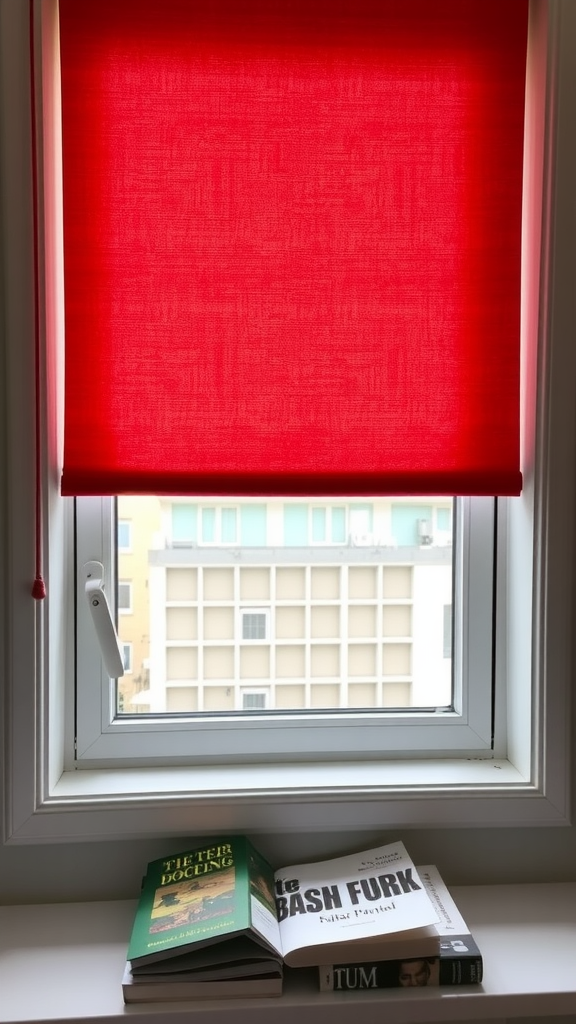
{"points": [[461, 970], [452, 970]]}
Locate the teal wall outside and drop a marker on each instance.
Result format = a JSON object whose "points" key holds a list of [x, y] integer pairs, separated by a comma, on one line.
{"points": [[405, 523], [253, 525], [184, 519], [295, 525]]}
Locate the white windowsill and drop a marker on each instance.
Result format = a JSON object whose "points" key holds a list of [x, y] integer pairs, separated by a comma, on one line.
{"points": [[64, 962], [135, 802], [302, 780]]}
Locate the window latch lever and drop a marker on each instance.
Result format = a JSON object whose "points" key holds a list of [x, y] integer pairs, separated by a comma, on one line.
{"points": [[102, 619]]}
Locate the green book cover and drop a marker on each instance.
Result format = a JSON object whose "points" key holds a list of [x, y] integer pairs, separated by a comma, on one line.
{"points": [[213, 893]]}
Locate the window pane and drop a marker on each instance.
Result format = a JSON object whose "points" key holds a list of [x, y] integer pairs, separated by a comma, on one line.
{"points": [[228, 525], [253, 626], [339, 606], [183, 518], [127, 657], [338, 525], [318, 525], [124, 596], [208, 525], [123, 535]]}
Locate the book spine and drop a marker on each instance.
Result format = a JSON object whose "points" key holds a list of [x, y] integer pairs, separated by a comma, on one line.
{"points": [[457, 970], [461, 970]]}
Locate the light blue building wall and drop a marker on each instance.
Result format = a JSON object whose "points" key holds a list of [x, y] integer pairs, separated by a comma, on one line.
{"points": [[404, 522]]}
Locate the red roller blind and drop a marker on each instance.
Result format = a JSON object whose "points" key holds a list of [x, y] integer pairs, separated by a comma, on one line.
{"points": [[292, 245]]}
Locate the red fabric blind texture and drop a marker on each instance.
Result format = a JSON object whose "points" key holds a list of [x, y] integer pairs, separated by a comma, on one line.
{"points": [[292, 245]]}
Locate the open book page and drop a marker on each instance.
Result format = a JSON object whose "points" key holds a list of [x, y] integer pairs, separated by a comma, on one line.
{"points": [[366, 895], [450, 920]]}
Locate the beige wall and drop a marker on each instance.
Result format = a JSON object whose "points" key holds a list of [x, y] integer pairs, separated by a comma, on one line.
{"points": [[143, 514]]}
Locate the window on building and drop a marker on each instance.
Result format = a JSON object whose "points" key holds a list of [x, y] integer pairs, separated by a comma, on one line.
{"points": [[124, 535], [124, 597], [127, 657], [327, 524], [219, 524], [254, 625], [255, 700]]}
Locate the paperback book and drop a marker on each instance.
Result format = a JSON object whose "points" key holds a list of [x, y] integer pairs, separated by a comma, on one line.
{"points": [[458, 961], [219, 914]]}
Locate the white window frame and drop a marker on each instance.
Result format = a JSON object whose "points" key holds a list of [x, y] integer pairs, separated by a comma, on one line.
{"points": [[44, 801], [466, 731]]}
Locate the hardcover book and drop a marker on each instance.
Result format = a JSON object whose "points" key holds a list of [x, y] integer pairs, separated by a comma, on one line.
{"points": [[219, 913], [458, 961]]}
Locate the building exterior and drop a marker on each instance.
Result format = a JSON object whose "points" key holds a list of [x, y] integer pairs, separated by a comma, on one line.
{"points": [[138, 529], [280, 605]]}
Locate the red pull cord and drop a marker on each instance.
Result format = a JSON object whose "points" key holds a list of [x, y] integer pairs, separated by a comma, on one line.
{"points": [[39, 586]]}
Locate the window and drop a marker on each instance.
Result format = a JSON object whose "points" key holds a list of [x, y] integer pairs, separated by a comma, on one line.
{"points": [[364, 643], [254, 625], [53, 803], [254, 700], [358, 630], [127, 657], [124, 597], [219, 525], [124, 535], [328, 524]]}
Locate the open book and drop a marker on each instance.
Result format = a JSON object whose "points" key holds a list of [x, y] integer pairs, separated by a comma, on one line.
{"points": [[457, 962], [219, 911]]}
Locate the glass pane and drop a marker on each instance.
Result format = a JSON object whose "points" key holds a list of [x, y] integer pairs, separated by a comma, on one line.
{"points": [[253, 626], [343, 606], [123, 535], [318, 525], [228, 525], [208, 525]]}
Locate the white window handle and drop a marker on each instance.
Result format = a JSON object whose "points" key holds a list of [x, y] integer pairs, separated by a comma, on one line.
{"points": [[102, 619]]}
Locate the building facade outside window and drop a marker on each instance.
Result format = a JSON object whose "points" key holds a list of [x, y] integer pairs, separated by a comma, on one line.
{"points": [[327, 624]]}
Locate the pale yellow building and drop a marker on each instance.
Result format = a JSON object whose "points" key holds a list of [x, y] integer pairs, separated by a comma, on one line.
{"points": [[246, 605], [139, 527]]}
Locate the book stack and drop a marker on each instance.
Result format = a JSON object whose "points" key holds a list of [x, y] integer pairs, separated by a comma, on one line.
{"points": [[217, 922]]}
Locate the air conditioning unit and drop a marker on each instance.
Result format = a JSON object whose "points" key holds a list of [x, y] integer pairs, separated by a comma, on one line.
{"points": [[425, 531]]}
